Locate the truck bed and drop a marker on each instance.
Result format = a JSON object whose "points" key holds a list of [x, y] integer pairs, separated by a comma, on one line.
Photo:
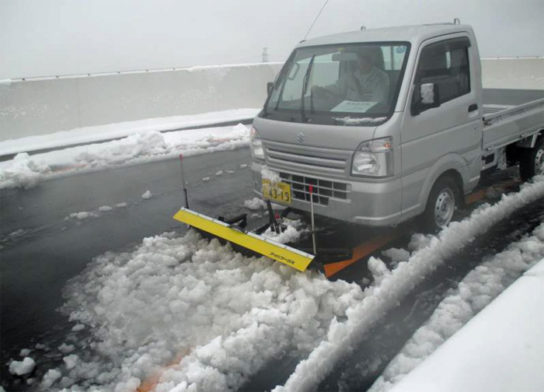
{"points": [[511, 115]]}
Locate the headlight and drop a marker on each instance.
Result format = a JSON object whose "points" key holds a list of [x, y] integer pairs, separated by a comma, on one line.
{"points": [[256, 145], [373, 158]]}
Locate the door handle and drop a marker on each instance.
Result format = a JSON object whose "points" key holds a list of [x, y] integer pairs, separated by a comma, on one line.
{"points": [[472, 107]]}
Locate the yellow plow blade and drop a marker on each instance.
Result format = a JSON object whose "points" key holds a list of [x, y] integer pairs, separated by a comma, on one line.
{"points": [[284, 254]]}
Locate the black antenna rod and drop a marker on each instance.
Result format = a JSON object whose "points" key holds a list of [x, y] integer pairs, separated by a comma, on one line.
{"points": [[315, 19]]}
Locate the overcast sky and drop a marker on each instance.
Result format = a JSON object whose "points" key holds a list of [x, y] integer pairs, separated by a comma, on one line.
{"points": [[58, 37]]}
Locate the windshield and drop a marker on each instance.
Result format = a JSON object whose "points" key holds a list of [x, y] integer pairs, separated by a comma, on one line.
{"points": [[348, 84]]}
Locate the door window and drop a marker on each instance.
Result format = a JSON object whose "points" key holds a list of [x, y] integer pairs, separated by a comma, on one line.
{"points": [[446, 64]]}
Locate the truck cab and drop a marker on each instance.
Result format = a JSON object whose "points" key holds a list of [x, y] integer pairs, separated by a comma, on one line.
{"points": [[376, 126]]}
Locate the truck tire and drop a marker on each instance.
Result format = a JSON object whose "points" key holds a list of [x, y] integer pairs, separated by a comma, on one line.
{"points": [[441, 205], [531, 161]]}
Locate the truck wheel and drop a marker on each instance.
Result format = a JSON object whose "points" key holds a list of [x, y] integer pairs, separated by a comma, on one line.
{"points": [[531, 162], [441, 205]]}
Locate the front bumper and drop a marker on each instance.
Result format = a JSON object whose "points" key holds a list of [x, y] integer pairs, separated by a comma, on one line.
{"points": [[369, 203]]}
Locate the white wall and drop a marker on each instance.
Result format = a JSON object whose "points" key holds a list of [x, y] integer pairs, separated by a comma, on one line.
{"points": [[514, 73], [37, 107]]}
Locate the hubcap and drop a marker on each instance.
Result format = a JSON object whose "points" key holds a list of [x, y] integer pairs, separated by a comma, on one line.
{"points": [[444, 207], [539, 162]]}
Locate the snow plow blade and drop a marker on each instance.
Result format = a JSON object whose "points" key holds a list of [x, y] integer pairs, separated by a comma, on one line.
{"points": [[292, 257]]}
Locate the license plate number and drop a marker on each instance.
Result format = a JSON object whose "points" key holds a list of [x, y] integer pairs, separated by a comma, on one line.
{"points": [[277, 191]]}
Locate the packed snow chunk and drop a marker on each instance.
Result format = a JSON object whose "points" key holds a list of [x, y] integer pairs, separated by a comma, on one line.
{"points": [[70, 361], [243, 165], [121, 205], [21, 368], [105, 208], [82, 215], [206, 179], [396, 255], [66, 348], [293, 231], [25, 352], [78, 327], [255, 204], [270, 175], [50, 378], [147, 195], [22, 172], [219, 173], [377, 268]]}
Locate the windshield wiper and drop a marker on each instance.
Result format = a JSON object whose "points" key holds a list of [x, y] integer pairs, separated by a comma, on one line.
{"points": [[304, 88]]}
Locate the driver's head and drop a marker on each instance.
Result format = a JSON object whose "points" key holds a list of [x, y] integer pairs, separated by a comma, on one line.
{"points": [[365, 61]]}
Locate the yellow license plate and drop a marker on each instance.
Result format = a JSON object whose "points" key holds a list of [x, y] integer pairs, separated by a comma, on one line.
{"points": [[277, 191]]}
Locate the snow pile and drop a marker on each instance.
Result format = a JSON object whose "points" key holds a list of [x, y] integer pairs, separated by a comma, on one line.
{"points": [[26, 171], [23, 171], [474, 292], [125, 150], [213, 314], [386, 293], [98, 133], [21, 368]]}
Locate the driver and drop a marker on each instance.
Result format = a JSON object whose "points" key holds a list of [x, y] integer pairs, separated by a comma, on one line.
{"points": [[365, 83]]}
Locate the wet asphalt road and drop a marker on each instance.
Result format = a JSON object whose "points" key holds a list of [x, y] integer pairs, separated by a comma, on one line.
{"points": [[41, 249]]}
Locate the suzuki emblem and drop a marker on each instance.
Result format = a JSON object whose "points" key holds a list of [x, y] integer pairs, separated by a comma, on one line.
{"points": [[300, 138]]}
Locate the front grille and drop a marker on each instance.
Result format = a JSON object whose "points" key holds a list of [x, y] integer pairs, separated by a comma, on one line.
{"points": [[329, 161], [323, 189]]}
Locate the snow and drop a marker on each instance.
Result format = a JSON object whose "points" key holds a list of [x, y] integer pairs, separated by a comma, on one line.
{"points": [[82, 215], [270, 175], [120, 130], [500, 349], [70, 361], [105, 208], [27, 171], [25, 352], [50, 378], [147, 195], [66, 348], [473, 293], [21, 368], [385, 293], [255, 204], [213, 314], [294, 230]]}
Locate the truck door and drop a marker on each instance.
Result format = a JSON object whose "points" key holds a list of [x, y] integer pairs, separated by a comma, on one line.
{"points": [[450, 133]]}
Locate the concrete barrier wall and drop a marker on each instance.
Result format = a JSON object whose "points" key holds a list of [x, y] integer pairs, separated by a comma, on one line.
{"points": [[513, 73], [37, 107]]}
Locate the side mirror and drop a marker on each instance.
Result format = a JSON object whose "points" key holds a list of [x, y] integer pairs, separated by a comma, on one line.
{"points": [[269, 87], [426, 96]]}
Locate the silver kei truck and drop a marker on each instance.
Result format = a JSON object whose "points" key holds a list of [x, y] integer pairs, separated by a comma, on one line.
{"points": [[388, 124]]}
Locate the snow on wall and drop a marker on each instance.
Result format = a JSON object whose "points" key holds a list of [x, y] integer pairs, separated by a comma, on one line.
{"points": [[43, 106]]}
